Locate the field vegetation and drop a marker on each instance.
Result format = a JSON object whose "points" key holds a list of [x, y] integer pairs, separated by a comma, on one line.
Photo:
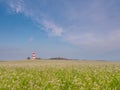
{"points": [[59, 75]]}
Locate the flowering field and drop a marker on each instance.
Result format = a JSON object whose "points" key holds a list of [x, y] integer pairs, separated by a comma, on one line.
{"points": [[59, 75]]}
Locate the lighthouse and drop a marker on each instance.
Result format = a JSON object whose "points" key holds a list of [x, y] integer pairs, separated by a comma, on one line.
{"points": [[33, 56]]}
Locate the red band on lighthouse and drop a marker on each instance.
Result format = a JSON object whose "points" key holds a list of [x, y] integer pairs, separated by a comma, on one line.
{"points": [[33, 55]]}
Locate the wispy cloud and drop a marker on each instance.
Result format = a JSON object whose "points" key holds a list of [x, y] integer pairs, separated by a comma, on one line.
{"points": [[16, 6], [88, 24], [51, 27], [93, 40]]}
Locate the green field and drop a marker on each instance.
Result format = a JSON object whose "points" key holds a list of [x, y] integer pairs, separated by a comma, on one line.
{"points": [[59, 75]]}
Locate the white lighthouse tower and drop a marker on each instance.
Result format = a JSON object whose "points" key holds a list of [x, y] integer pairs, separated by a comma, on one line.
{"points": [[33, 55]]}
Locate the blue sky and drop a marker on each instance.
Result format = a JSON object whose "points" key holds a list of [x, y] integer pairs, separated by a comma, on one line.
{"points": [[80, 29]]}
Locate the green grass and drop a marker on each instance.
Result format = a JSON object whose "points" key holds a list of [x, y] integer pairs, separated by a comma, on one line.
{"points": [[59, 75]]}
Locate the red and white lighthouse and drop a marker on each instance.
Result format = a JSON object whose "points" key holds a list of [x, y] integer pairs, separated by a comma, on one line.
{"points": [[33, 56]]}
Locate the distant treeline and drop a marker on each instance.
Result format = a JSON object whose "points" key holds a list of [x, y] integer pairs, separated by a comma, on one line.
{"points": [[59, 58], [54, 58]]}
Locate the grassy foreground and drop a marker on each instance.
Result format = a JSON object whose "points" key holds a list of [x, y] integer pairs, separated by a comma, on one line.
{"points": [[59, 75]]}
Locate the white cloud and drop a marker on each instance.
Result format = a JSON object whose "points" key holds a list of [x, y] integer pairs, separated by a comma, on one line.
{"points": [[16, 5], [95, 42], [55, 30], [36, 15]]}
